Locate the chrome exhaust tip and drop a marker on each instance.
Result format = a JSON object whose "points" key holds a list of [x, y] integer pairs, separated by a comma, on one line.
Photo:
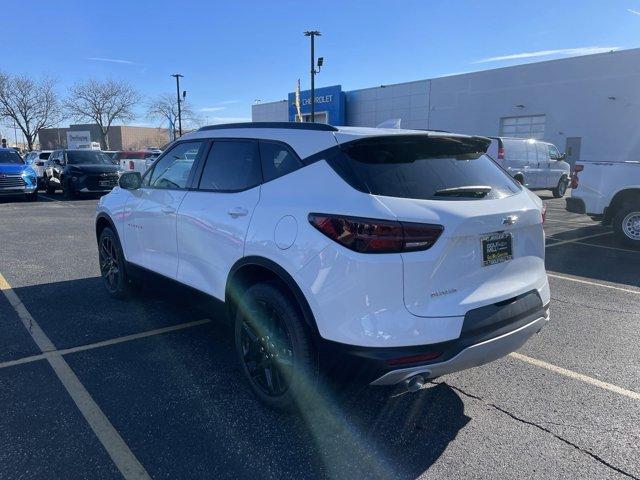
{"points": [[415, 383]]}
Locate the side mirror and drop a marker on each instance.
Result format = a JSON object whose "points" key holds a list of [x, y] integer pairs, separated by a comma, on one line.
{"points": [[130, 180], [563, 156]]}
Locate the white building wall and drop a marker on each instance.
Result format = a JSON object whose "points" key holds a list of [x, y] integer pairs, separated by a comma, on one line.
{"points": [[594, 97], [270, 112]]}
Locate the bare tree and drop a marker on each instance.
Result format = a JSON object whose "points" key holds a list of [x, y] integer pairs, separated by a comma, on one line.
{"points": [[165, 108], [30, 104], [102, 102]]}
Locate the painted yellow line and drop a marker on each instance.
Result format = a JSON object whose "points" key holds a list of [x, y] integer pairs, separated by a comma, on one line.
{"points": [[589, 282], [104, 343], [577, 376], [122, 456]]}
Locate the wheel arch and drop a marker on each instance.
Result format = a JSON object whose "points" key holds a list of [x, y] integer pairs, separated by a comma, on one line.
{"points": [[252, 269], [619, 199], [103, 221]]}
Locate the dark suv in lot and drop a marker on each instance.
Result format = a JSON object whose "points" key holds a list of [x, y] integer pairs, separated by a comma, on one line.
{"points": [[80, 171]]}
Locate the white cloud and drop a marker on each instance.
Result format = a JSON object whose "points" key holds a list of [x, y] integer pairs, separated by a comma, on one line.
{"points": [[212, 109], [112, 60], [547, 53], [636, 12]]}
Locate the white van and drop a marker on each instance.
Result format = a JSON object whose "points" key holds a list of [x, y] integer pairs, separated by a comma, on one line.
{"points": [[535, 164]]}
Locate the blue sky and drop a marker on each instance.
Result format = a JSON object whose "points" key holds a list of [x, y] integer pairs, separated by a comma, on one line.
{"points": [[232, 53]]}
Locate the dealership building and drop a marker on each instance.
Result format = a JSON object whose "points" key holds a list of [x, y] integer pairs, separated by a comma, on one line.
{"points": [[121, 137], [588, 106]]}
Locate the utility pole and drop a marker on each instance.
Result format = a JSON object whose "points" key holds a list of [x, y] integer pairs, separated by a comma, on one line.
{"points": [[177, 77], [313, 34]]}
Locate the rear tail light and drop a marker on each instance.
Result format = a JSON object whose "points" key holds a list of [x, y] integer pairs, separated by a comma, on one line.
{"points": [[131, 165], [574, 175], [543, 212], [366, 235], [501, 153]]}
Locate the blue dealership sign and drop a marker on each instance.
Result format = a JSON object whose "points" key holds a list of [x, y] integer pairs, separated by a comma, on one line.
{"points": [[329, 101]]}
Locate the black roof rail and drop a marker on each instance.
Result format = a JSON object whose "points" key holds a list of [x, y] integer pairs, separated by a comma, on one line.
{"points": [[323, 127]]}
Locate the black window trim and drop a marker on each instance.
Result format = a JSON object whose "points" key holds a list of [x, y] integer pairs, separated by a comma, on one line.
{"points": [[206, 144], [290, 149]]}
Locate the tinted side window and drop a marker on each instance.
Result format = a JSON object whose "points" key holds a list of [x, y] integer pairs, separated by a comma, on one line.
{"points": [[173, 170], [553, 153], [232, 165], [277, 160]]}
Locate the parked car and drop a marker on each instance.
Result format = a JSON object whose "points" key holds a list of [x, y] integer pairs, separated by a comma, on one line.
{"points": [[536, 164], [16, 177], [137, 161], [80, 171], [610, 192], [37, 161], [404, 255]]}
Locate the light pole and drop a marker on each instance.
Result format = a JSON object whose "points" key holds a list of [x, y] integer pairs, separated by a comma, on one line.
{"points": [[177, 77], [313, 34]]}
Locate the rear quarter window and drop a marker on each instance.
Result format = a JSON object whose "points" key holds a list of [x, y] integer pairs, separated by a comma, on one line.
{"points": [[422, 168]]}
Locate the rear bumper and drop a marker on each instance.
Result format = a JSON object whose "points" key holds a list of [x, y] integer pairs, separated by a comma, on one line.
{"points": [[575, 205], [470, 357], [488, 333]]}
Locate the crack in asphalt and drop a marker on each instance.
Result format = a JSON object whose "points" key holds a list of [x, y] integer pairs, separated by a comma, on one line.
{"points": [[592, 307], [546, 430]]}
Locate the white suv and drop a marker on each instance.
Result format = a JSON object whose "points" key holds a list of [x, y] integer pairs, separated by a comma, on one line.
{"points": [[398, 255]]}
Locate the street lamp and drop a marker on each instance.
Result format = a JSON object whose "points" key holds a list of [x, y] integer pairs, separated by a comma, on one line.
{"points": [[313, 34], [178, 77]]}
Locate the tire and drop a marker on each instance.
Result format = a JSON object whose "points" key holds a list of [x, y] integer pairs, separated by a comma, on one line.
{"points": [[275, 348], [626, 224], [117, 282], [67, 191], [560, 189], [51, 189]]}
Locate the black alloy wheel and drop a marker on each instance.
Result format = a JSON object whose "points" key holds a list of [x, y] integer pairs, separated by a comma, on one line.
{"points": [[267, 351], [112, 266], [275, 348]]}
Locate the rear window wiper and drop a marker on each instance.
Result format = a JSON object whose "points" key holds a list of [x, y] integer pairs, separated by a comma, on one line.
{"points": [[467, 191]]}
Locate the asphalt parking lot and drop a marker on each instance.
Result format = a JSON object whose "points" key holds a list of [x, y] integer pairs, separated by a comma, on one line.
{"points": [[150, 387]]}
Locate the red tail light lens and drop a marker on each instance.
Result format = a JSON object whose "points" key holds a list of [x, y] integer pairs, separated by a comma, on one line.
{"points": [[131, 165], [367, 235], [425, 357], [543, 212], [574, 175], [501, 153]]}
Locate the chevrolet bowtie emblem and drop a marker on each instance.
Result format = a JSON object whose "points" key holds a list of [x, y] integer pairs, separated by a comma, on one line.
{"points": [[510, 220]]}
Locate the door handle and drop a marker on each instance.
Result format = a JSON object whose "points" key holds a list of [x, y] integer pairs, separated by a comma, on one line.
{"points": [[168, 210], [236, 212]]}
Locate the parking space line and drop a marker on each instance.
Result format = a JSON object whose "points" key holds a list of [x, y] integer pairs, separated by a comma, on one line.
{"points": [[104, 343], [610, 248], [589, 282], [122, 456], [574, 240], [576, 376]]}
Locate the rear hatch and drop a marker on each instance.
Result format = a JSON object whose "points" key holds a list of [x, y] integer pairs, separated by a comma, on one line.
{"points": [[492, 246]]}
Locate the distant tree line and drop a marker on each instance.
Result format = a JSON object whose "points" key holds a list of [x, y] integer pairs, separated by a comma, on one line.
{"points": [[33, 104]]}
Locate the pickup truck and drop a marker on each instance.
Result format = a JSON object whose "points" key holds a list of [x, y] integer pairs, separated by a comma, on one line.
{"points": [[609, 191]]}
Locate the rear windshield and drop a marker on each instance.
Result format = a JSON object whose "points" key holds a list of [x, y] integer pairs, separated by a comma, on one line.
{"points": [[88, 157], [436, 168], [44, 155]]}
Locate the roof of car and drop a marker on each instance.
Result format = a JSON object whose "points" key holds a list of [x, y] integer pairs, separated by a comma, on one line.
{"points": [[309, 138]]}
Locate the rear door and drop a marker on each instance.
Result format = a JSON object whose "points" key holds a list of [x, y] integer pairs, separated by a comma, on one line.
{"points": [[213, 218], [492, 246], [150, 214]]}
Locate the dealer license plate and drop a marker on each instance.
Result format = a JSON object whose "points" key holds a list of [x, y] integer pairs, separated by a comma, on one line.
{"points": [[496, 248]]}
